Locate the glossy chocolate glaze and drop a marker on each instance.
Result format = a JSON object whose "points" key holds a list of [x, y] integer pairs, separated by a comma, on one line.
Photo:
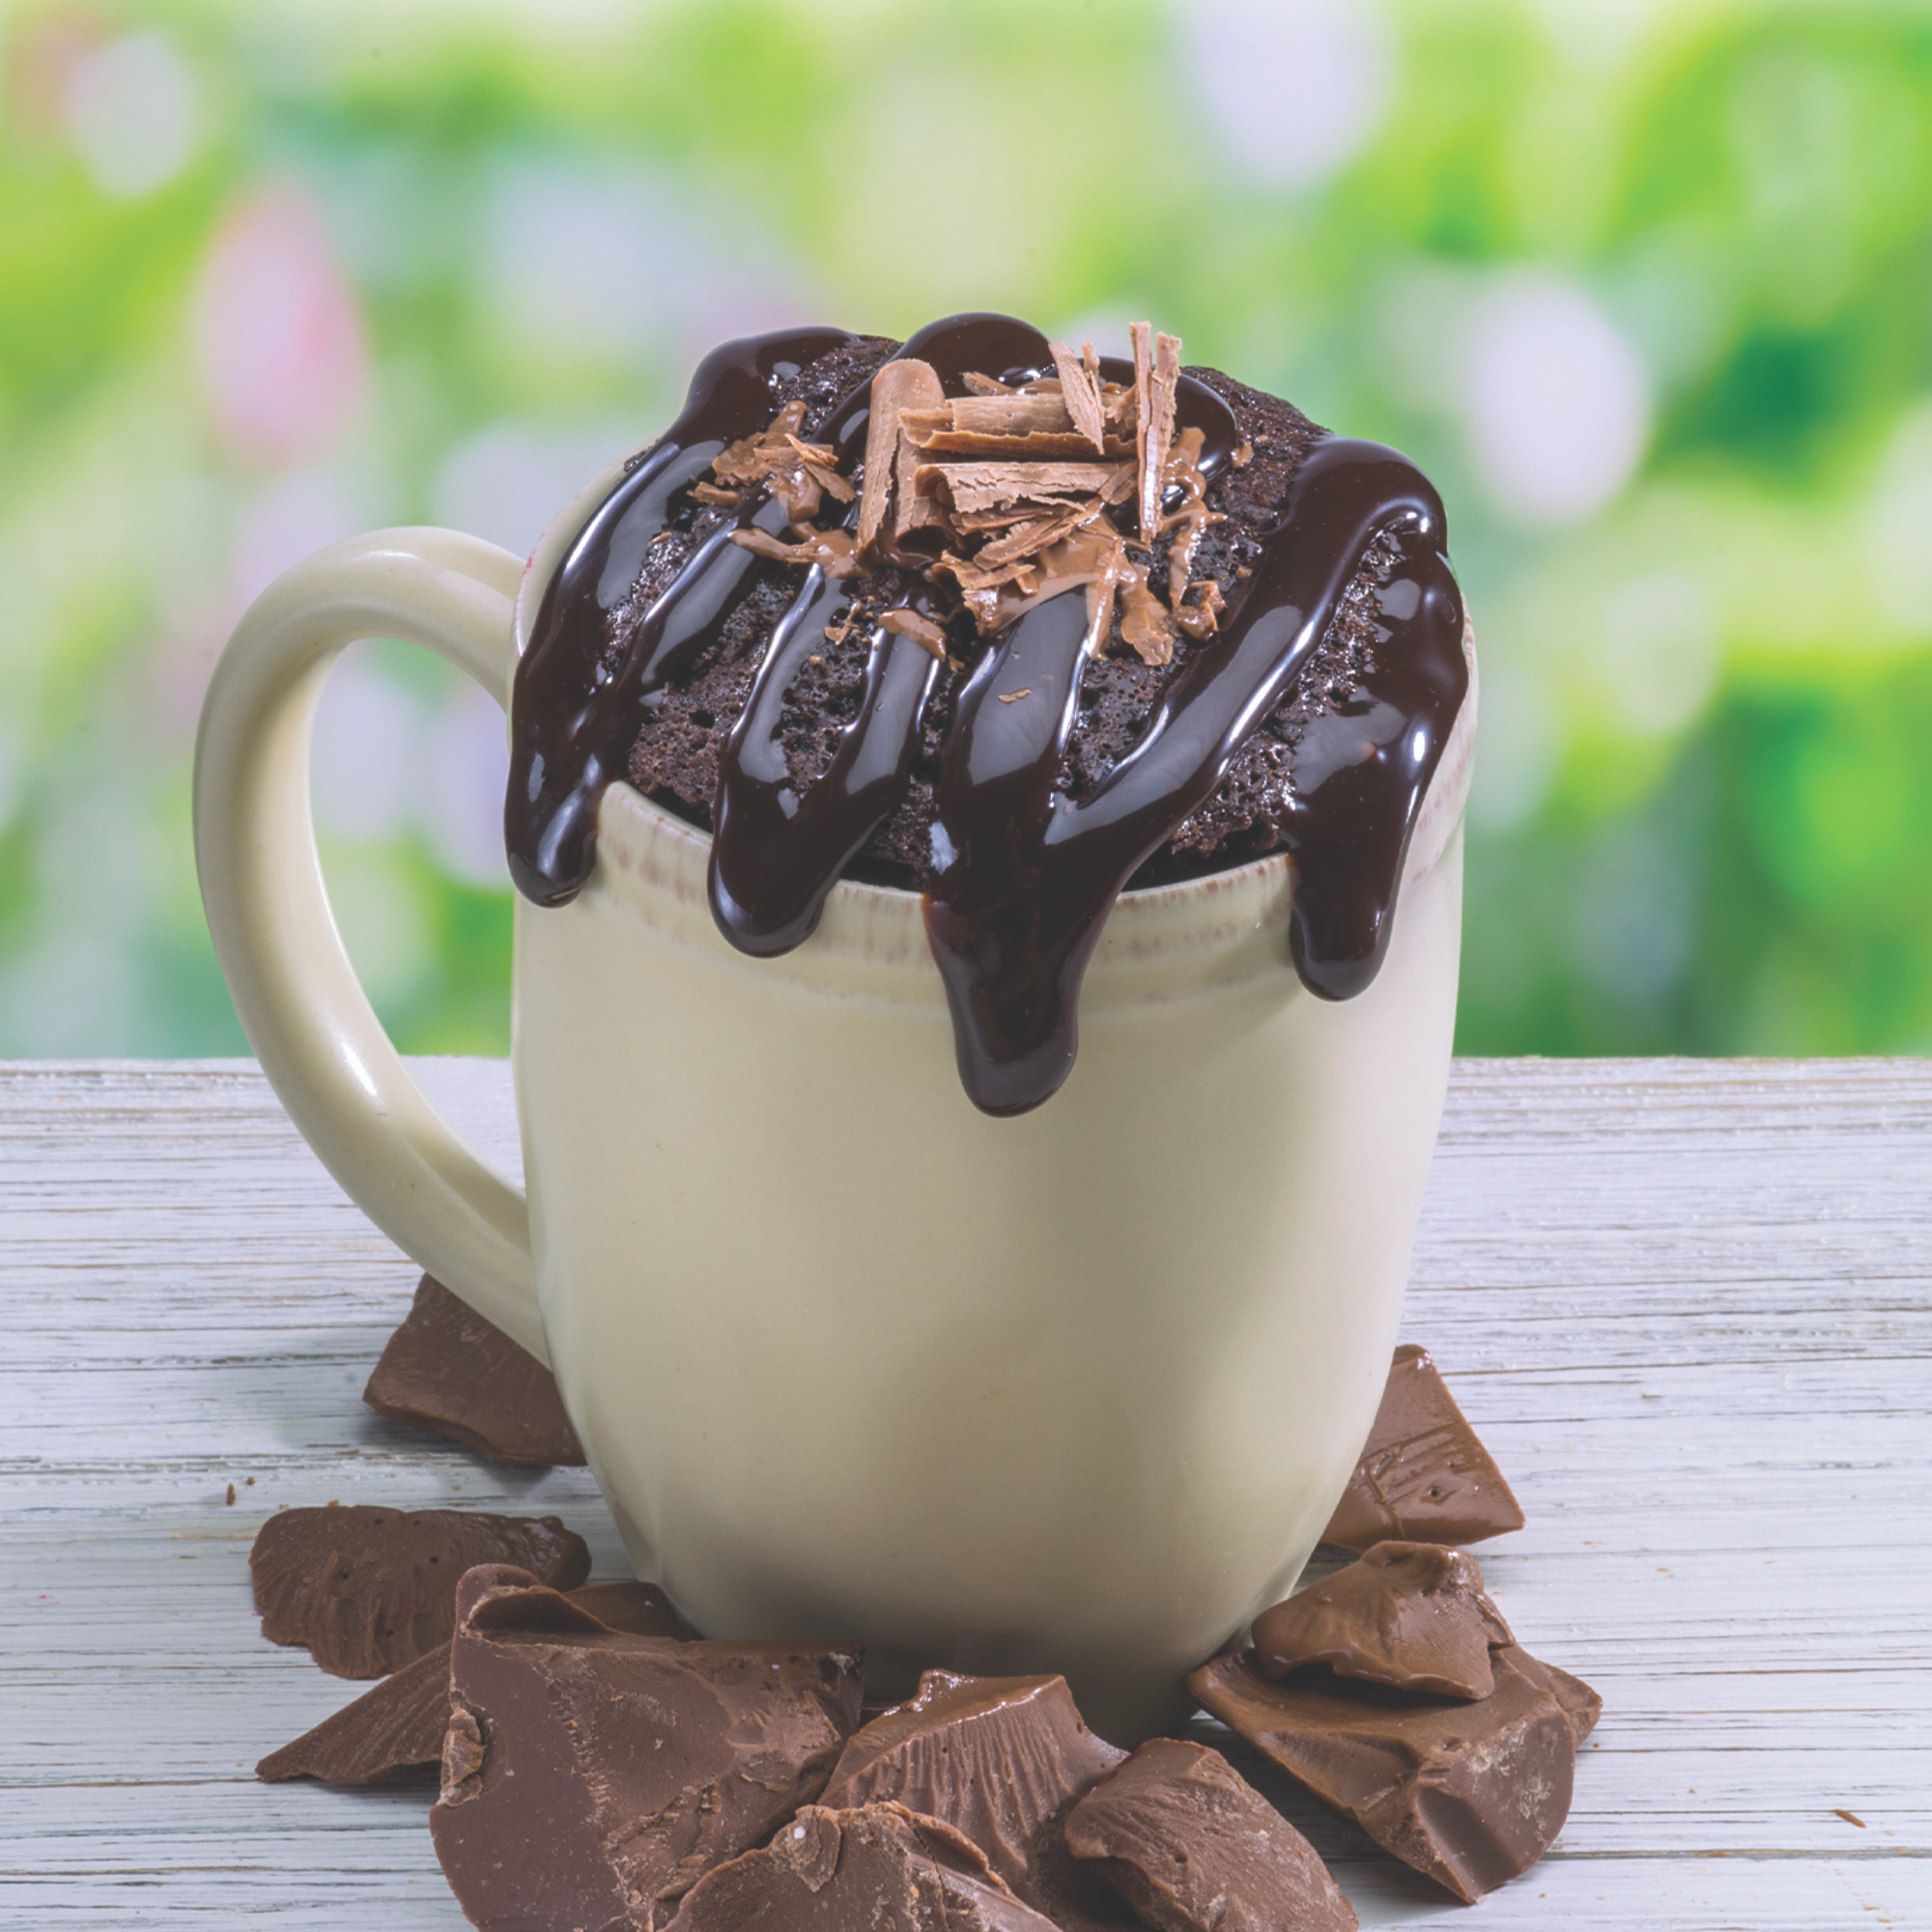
{"points": [[1024, 873], [1027, 873], [572, 716]]}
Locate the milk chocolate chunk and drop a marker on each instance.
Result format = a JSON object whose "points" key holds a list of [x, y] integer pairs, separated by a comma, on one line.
{"points": [[591, 1778], [393, 1732], [369, 1590], [1411, 1616], [1193, 1847], [1002, 1759], [446, 1368], [1471, 1794], [879, 1868], [1423, 1477], [395, 1729]]}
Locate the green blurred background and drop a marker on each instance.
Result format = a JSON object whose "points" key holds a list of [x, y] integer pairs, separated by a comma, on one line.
{"points": [[1647, 289]]}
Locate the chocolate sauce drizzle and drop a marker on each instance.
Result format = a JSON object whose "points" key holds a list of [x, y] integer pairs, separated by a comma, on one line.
{"points": [[1024, 872]]}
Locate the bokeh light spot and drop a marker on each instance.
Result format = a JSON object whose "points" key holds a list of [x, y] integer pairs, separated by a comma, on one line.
{"points": [[1295, 88], [280, 338], [1556, 405], [132, 113]]}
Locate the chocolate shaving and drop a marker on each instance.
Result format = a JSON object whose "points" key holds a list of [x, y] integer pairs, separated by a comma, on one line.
{"points": [[1018, 477], [905, 385], [799, 474], [972, 575], [985, 486], [1034, 446], [1157, 422], [1080, 390], [1022, 414], [1144, 626], [710, 493], [831, 550], [1033, 535], [917, 626]]}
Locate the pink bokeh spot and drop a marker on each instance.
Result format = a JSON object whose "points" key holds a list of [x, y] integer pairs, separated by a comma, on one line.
{"points": [[278, 338]]}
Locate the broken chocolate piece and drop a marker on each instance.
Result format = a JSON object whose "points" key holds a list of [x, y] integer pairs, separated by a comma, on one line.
{"points": [[642, 1609], [1193, 1847], [1423, 1477], [395, 1729], [1411, 1616], [1470, 1794], [390, 1733], [591, 1778], [1002, 1759], [369, 1590], [879, 1868], [449, 1370]]}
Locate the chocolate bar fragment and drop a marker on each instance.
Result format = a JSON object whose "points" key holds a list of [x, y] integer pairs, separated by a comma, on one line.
{"points": [[1411, 1616], [394, 1731], [1423, 1477], [591, 1778], [446, 1368], [879, 1868], [1193, 1847], [1470, 1794], [641, 1609], [369, 1590], [1002, 1759]]}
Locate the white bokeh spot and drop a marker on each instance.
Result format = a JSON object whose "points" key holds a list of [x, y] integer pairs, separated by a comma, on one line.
{"points": [[1295, 88], [468, 772], [133, 114], [1554, 402]]}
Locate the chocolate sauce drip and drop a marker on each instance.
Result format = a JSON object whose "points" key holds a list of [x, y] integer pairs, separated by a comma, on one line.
{"points": [[1026, 874], [775, 854], [572, 719]]}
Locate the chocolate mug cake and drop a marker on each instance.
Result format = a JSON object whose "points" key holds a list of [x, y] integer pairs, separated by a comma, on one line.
{"points": [[896, 702], [1012, 627]]}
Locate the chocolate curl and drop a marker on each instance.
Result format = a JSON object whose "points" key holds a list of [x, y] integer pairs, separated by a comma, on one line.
{"points": [[900, 385], [1080, 390]]}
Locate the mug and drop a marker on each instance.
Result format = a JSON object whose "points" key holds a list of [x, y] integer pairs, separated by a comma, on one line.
{"points": [[1074, 1391]]}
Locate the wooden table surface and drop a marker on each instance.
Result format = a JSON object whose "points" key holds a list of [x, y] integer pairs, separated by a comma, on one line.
{"points": [[1687, 1304]]}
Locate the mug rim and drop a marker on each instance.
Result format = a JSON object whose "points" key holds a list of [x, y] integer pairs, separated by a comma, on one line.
{"points": [[1208, 909]]}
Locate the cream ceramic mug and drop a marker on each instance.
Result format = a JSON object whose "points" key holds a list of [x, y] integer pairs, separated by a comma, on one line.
{"points": [[1075, 1391]]}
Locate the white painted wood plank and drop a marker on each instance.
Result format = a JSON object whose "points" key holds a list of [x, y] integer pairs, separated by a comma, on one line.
{"points": [[1689, 1306]]}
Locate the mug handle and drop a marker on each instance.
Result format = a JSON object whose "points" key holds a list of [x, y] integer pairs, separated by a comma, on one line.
{"points": [[305, 1013]]}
